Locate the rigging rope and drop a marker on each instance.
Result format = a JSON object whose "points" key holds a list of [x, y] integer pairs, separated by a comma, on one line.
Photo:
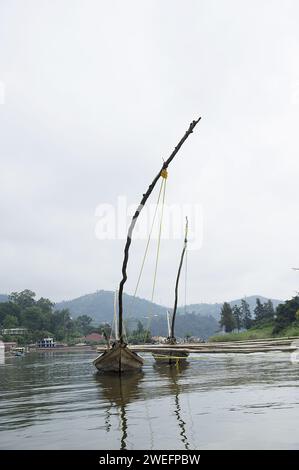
{"points": [[164, 175], [145, 252], [148, 240], [186, 272], [162, 190], [159, 237]]}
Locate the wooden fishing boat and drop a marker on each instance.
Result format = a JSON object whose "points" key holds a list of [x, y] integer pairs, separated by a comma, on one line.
{"points": [[119, 358], [169, 357]]}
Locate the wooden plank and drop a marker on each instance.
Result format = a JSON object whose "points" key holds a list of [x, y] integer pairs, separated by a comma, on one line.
{"points": [[152, 349]]}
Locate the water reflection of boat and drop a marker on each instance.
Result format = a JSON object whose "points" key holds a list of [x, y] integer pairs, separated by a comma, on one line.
{"points": [[119, 391], [173, 374]]}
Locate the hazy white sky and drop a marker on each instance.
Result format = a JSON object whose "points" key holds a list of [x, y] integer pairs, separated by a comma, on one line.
{"points": [[95, 93]]}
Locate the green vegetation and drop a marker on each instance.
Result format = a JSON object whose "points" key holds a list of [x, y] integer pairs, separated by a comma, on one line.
{"points": [[240, 321], [238, 316], [140, 335], [40, 319], [252, 333], [227, 319], [267, 323], [286, 315]]}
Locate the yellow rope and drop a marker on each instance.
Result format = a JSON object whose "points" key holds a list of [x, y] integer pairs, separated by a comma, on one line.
{"points": [[164, 173]]}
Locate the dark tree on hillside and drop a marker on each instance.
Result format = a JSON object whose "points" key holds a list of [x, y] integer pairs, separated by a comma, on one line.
{"points": [[9, 308], [61, 323], [45, 305], [83, 322], [227, 319], [23, 299], [263, 312], [237, 314], [259, 311], [10, 321], [32, 318], [286, 314], [246, 314], [269, 311]]}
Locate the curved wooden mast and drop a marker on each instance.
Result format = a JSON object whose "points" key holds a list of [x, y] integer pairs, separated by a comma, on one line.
{"points": [[172, 337], [133, 222]]}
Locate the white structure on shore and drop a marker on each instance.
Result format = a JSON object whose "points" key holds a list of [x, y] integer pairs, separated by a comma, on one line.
{"points": [[14, 331], [2, 357], [46, 343]]}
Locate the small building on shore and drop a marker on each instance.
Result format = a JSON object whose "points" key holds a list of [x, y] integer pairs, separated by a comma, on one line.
{"points": [[94, 338], [46, 343], [14, 331], [9, 345]]}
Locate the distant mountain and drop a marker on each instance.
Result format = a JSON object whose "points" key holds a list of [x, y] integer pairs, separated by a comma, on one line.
{"points": [[99, 306], [215, 309], [194, 319], [191, 324]]}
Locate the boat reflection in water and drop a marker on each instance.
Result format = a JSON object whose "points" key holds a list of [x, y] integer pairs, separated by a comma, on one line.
{"points": [[119, 391], [173, 375]]}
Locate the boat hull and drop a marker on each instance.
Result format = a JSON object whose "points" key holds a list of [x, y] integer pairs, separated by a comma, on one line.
{"points": [[118, 359]]}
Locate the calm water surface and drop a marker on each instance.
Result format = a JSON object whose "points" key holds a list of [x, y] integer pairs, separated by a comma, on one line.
{"points": [[58, 401]]}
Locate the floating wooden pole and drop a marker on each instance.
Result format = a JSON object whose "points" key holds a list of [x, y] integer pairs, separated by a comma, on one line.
{"points": [[213, 348]]}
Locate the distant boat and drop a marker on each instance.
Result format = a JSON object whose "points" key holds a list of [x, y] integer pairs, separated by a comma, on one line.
{"points": [[20, 351], [169, 357], [119, 358]]}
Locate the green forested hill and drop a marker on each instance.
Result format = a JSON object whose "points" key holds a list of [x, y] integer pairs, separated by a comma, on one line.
{"points": [[99, 305], [214, 309], [200, 319]]}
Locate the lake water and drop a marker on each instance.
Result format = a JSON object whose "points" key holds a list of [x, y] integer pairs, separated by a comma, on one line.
{"points": [[58, 401]]}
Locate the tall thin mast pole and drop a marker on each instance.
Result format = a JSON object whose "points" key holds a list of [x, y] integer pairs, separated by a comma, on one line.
{"points": [[133, 222], [177, 282]]}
